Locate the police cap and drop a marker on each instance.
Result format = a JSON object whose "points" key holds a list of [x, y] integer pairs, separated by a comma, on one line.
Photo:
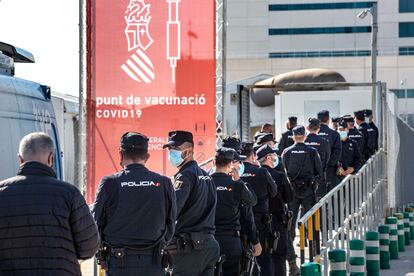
{"points": [[368, 112], [264, 150], [336, 119], [299, 130], [314, 122], [264, 138], [348, 119], [343, 124], [179, 137], [233, 143], [323, 115], [229, 154], [134, 140]]}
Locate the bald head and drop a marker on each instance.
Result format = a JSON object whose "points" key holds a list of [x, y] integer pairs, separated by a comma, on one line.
{"points": [[37, 146]]}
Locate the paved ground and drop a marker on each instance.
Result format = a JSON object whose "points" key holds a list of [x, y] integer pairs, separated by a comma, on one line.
{"points": [[404, 266]]}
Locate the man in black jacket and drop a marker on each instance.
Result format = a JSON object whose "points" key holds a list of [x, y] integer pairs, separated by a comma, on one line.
{"points": [[287, 137], [277, 206], [45, 224], [231, 194], [368, 133], [194, 249], [135, 211], [336, 147]]}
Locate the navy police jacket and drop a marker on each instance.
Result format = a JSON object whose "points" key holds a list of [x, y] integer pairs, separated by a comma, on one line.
{"points": [[334, 142], [369, 140], [285, 141], [196, 200], [302, 162], [322, 146], [263, 186], [285, 192], [357, 136], [351, 156], [230, 196], [135, 207]]}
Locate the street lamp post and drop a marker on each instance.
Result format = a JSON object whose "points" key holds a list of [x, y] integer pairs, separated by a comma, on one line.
{"points": [[374, 50]]}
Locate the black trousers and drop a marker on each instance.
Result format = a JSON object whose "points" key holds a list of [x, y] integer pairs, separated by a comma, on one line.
{"points": [[135, 265], [265, 259], [307, 203], [231, 246], [197, 262], [279, 257], [331, 177]]}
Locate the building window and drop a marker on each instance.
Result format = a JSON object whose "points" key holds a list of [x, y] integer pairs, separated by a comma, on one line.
{"points": [[406, 29], [406, 51], [314, 31], [401, 93], [320, 6], [315, 54], [406, 6]]}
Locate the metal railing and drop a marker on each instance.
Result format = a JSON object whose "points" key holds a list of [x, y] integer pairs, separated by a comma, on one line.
{"points": [[348, 211]]}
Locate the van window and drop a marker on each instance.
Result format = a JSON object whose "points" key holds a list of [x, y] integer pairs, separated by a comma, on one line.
{"points": [[58, 155]]}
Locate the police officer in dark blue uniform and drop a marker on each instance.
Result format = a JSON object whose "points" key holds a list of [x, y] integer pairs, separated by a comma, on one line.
{"points": [[269, 139], [193, 249], [335, 122], [368, 134], [322, 146], [265, 188], [354, 134], [303, 165], [248, 231], [281, 216], [231, 194], [287, 137], [135, 210], [350, 157], [370, 117], [335, 143]]}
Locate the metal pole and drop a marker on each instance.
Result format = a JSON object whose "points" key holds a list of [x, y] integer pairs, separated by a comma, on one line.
{"points": [[224, 65], [374, 52], [81, 145]]}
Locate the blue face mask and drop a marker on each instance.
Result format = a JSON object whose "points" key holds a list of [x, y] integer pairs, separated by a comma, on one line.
{"points": [[343, 134], [367, 120], [174, 156], [241, 169], [276, 162]]}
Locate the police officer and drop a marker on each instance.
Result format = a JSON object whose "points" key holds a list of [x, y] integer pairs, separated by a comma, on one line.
{"points": [[265, 188], [370, 117], [368, 134], [287, 137], [132, 197], [354, 134], [335, 143], [350, 157], [231, 194], [269, 139], [248, 231], [281, 217], [193, 249], [324, 150], [303, 165]]}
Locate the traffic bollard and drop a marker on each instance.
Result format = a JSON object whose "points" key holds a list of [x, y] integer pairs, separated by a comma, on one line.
{"points": [[337, 260], [372, 251], [392, 223], [310, 269], [384, 231], [407, 228], [401, 235], [410, 210], [357, 257]]}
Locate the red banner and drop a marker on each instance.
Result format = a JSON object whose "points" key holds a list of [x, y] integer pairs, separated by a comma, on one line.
{"points": [[151, 69]]}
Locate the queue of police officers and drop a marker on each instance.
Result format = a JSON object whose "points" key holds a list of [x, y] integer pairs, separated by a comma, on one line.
{"points": [[237, 219]]}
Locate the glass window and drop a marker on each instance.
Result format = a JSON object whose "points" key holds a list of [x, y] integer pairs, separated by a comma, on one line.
{"points": [[406, 29], [406, 6], [320, 6], [313, 54], [327, 30], [406, 51]]}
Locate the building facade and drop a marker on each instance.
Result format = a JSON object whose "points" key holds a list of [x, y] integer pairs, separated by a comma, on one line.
{"points": [[278, 36]]}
